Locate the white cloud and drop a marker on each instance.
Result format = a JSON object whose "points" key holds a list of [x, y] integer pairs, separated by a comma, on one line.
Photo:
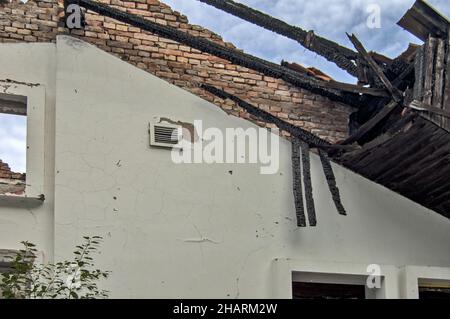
{"points": [[328, 18]]}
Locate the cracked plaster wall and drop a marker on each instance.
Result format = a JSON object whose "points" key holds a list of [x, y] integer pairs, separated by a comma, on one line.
{"points": [[20, 220], [197, 231]]}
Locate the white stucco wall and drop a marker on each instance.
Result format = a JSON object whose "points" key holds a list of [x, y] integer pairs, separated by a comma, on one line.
{"points": [[190, 230], [104, 107], [31, 69]]}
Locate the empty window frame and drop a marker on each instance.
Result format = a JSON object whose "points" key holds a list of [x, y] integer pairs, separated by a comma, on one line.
{"points": [[323, 291], [434, 289], [13, 149], [320, 286]]}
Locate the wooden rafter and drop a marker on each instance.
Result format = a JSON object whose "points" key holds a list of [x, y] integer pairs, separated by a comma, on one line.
{"points": [[307, 182], [336, 91], [296, 131], [372, 123], [446, 99], [422, 20], [396, 94], [302, 140], [331, 181], [343, 57], [421, 106], [386, 111], [297, 182]]}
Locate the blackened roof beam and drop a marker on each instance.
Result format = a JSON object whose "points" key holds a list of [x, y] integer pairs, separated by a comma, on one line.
{"points": [[233, 55], [396, 94], [343, 57], [336, 91], [298, 132]]}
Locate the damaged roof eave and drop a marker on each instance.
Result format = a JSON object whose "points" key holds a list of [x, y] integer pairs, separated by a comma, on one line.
{"points": [[423, 20]]}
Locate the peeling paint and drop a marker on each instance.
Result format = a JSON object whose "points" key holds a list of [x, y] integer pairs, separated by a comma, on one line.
{"points": [[10, 81]]}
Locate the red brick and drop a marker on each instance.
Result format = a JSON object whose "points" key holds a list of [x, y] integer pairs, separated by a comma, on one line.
{"points": [[40, 21]]}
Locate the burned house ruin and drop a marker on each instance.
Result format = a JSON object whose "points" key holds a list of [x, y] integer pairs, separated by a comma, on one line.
{"points": [[365, 164]]}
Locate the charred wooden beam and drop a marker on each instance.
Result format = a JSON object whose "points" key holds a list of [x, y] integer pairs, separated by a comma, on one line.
{"points": [[343, 57], [331, 181], [421, 106], [357, 89], [430, 49], [396, 94], [387, 110], [372, 123], [307, 182], [439, 83], [446, 101], [297, 181], [408, 72], [411, 159], [233, 55], [381, 59], [301, 140], [419, 69], [332, 84], [296, 131]]}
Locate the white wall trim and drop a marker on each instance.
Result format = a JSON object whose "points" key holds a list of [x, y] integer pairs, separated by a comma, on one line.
{"points": [[283, 270], [35, 94], [411, 275]]}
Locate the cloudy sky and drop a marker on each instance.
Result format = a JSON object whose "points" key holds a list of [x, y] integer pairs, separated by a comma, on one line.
{"points": [[12, 141], [328, 18]]}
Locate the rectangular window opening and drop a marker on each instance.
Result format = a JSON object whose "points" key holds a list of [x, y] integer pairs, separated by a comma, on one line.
{"points": [[13, 144], [434, 289], [321, 291], [322, 286]]}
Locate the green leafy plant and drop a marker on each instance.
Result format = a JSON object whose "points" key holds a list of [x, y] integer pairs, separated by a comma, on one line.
{"points": [[74, 279]]}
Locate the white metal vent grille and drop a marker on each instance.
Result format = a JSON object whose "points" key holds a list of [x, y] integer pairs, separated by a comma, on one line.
{"points": [[165, 135]]}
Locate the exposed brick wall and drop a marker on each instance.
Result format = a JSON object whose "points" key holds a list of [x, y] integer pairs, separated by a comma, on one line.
{"points": [[6, 173], [10, 182], [41, 21]]}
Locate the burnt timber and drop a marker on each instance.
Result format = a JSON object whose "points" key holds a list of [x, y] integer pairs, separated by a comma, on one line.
{"points": [[422, 21], [412, 159], [343, 57], [301, 141], [233, 55], [409, 150], [404, 142]]}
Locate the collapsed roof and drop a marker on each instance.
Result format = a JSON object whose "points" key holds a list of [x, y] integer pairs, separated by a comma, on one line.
{"points": [[399, 135]]}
